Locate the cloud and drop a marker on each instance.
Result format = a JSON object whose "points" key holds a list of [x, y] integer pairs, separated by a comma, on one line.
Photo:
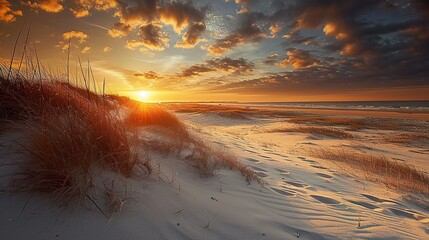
{"points": [[119, 30], [228, 65], [82, 8], [243, 2], [192, 36], [149, 16], [299, 58], [107, 49], [86, 50], [272, 59], [151, 75], [181, 15], [6, 13], [52, 6], [249, 32], [151, 37], [82, 37]]}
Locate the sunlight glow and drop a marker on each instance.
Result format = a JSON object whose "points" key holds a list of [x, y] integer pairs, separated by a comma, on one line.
{"points": [[143, 95]]}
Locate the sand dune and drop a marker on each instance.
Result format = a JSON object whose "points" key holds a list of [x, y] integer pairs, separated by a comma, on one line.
{"points": [[302, 196]]}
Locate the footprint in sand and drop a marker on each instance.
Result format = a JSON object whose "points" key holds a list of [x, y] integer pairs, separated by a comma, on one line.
{"points": [[267, 158], [420, 152], [364, 204], [318, 167], [252, 160], [281, 171], [409, 214], [325, 200], [280, 155], [403, 213], [310, 161], [250, 151], [379, 200], [325, 175], [295, 184], [260, 171], [261, 174], [283, 192]]}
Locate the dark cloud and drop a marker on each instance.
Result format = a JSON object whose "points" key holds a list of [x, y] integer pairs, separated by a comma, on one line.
{"points": [[181, 14], [298, 58], [345, 74], [152, 37], [192, 36], [249, 32], [229, 65], [151, 15]]}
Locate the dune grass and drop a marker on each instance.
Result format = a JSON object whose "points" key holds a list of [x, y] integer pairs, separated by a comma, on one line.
{"points": [[208, 159], [351, 124], [233, 112], [408, 138], [323, 131], [394, 174], [355, 124], [69, 133]]}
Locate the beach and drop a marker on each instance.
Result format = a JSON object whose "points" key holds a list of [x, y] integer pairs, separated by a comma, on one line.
{"points": [[301, 195]]}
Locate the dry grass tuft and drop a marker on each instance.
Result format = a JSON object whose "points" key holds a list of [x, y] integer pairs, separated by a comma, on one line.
{"points": [[148, 115], [409, 138], [354, 124], [70, 131], [329, 132], [351, 124], [208, 159], [397, 175], [234, 112]]}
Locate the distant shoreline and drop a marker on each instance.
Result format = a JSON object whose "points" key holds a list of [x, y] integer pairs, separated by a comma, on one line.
{"points": [[379, 113]]}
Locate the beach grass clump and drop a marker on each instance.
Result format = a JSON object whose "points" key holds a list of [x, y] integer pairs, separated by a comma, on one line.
{"points": [[320, 131], [208, 159], [69, 133], [378, 168], [408, 138], [149, 115], [351, 124]]}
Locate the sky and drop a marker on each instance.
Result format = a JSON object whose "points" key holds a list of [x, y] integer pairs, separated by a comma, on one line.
{"points": [[229, 50]]}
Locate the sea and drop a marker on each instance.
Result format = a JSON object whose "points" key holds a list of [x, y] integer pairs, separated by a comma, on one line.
{"points": [[418, 105]]}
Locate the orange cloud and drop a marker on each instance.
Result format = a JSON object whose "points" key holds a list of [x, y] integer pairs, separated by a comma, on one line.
{"points": [[83, 7], [242, 2], [192, 36], [86, 49], [52, 6], [148, 75], [299, 59], [152, 38], [150, 16], [6, 13], [119, 30], [75, 34]]}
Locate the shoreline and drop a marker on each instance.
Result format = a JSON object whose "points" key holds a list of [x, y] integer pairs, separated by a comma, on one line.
{"points": [[379, 113]]}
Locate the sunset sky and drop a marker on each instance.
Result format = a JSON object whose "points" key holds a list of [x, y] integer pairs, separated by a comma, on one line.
{"points": [[232, 50]]}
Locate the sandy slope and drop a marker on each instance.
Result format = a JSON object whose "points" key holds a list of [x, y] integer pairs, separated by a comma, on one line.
{"points": [[303, 197]]}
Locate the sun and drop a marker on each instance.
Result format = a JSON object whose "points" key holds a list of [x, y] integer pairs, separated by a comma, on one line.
{"points": [[143, 95]]}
